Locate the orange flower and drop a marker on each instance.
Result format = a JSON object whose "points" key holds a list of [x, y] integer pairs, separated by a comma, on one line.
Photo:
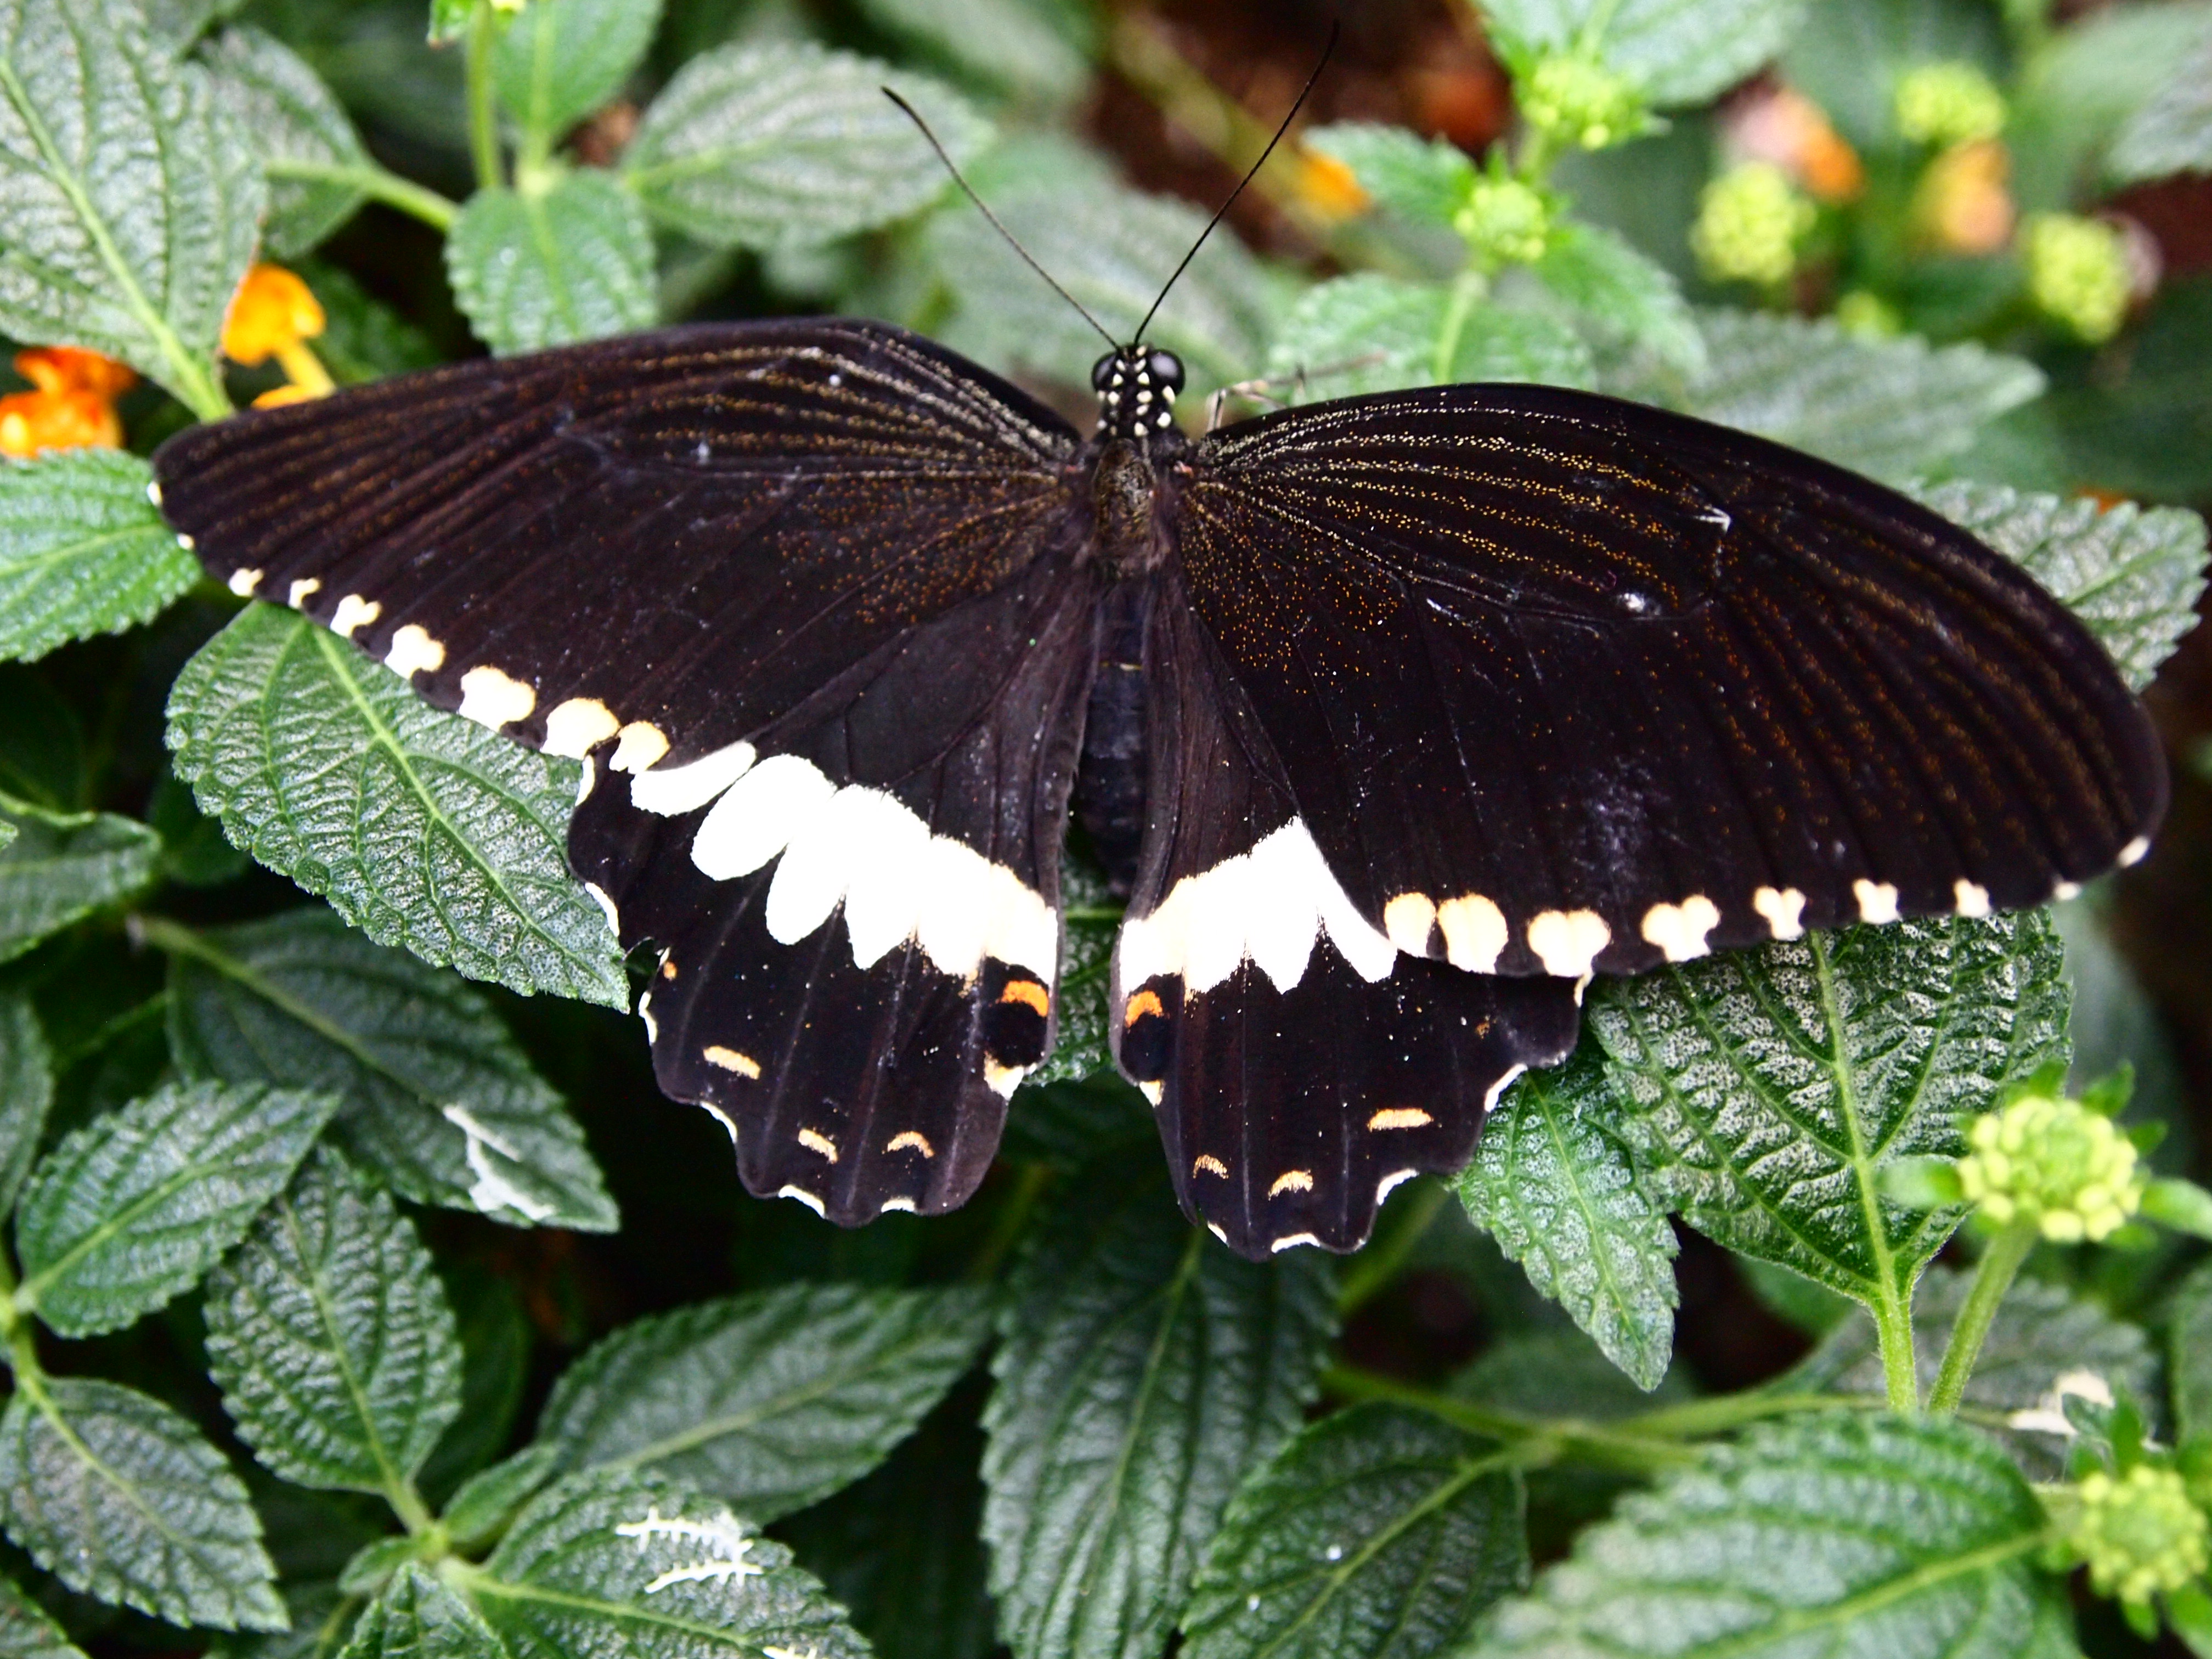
{"points": [[273, 314], [1789, 129], [1328, 185], [72, 368], [73, 407], [1963, 204]]}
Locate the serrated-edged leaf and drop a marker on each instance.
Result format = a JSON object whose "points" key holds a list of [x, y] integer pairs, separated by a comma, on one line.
{"points": [[330, 1340], [622, 1561], [1892, 408], [438, 1100], [26, 1631], [778, 143], [1378, 1532], [1038, 47], [1092, 917], [417, 1617], [480, 1509], [2172, 130], [1554, 1371], [82, 551], [1860, 1533], [1622, 292], [421, 828], [1764, 1091], [129, 203], [62, 866], [131, 1209], [537, 268], [306, 140], [561, 59], [1425, 179], [1141, 1372], [1368, 332], [1552, 1184], [2132, 575], [2189, 1353], [769, 1400], [119, 1497], [27, 1090], [1678, 51]]}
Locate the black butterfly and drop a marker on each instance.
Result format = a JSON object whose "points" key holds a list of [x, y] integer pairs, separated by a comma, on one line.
{"points": [[1399, 716]]}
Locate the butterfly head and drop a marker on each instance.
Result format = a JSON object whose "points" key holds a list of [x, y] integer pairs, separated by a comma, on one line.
{"points": [[1136, 386]]}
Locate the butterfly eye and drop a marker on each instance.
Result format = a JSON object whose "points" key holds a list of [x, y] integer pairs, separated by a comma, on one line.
{"points": [[1166, 369], [1101, 372]]}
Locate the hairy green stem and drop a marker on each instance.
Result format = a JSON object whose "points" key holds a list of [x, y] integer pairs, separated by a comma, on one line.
{"points": [[2000, 1266], [378, 184], [1468, 289], [484, 116], [1547, 1439]]}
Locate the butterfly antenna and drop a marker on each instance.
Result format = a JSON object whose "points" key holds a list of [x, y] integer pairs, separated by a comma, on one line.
{"points": [[1222, 212], [997, 224]]}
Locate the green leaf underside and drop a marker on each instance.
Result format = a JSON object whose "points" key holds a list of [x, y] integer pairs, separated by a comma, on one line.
{"points": [[769, 1400], [416, 1617], [121, 1498], [1378, 1532], [128, 202], [330, 1338], [559, 60], [438, 1100], [26, 1631], [1678, 51], [1864, 1533], [82, 551], [623, 1562], [27, 1090], [536, 270], [780, 144], [296, 120], [1423, 179], [2172, 130], [134, 1207], [1762, 1090], [421, 828], [1368, 332], [1141, 1371], [1552, 1183], [59, 867]]}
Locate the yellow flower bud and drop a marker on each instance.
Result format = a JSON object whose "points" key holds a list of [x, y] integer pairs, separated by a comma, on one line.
{"points": [[1748, 222]]}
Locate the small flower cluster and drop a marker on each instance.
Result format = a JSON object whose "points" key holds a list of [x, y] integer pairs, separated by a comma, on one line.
{"points": [[2055, 1161], [2077, 273], [1505, 221], [1749, 220], [2138, 1533], [1946, 104], [1581, 103], [71, 404]]}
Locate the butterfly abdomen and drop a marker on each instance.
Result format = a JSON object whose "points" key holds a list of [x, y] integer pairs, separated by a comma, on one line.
{"points": [[1109, 780]]}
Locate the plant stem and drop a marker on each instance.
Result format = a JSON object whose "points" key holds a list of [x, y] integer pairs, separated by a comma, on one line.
{"points": [[1370, 1272], [483, 117], [377, 183], [1900, 1365], [2000, 1266], [1547, 1439], [1732, 1411], [1466, 290]]}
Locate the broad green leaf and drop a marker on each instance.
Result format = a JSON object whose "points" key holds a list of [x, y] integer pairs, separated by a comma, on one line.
{"points": [[131, 1209], [1092, 917], [769, 1400], [1368, 332], [1423, 179], [622, 1562], [1142, 1370], [121, 1498], [1763, 1091], [1845, 1534], [438, 1099], [1552, 1184], [1554, 1371], [417, 1617], [61, 866], [2172, 132], [537, 268], [449, 19], [1893, 408], [26, 1631], [2132, 575], [27, 1090], [488, 1499], [129, 201], [329, 1338], [1679, 51], [1379, 1531], [1040, 48], [561, 59], [179, 23], [2189, 1353], [2076, 92], [421, 828], [1623, 293], [305, 139], [82, 551], [780, 144]]}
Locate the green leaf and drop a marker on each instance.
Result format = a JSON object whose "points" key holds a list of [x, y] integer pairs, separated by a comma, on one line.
{"points": [[129, 202], [780, 144], [82, 551], [1553, 1184], [121, 1498], [1092, 917], [2189, 1353], [1893, 408], [299, 130], [1678, 51], [62, 866], [1040, 48], [26, 1631], [1622, 292], [1763, 1091], [1141, 1371], [1858, 1533], [769, 1401], [1423, 179], [622, 1562], [531, 269], [2076, 92], [449, 19], [1378, 1531], [438, 1100], [421, 828], [27, 1090], [363, 339], [1554, 1371], [134, 1207], [559, 60], [2172, 132], [416, 1617], [488, 1499], [1368, 332], [330, 1340], [2132, 575]]}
